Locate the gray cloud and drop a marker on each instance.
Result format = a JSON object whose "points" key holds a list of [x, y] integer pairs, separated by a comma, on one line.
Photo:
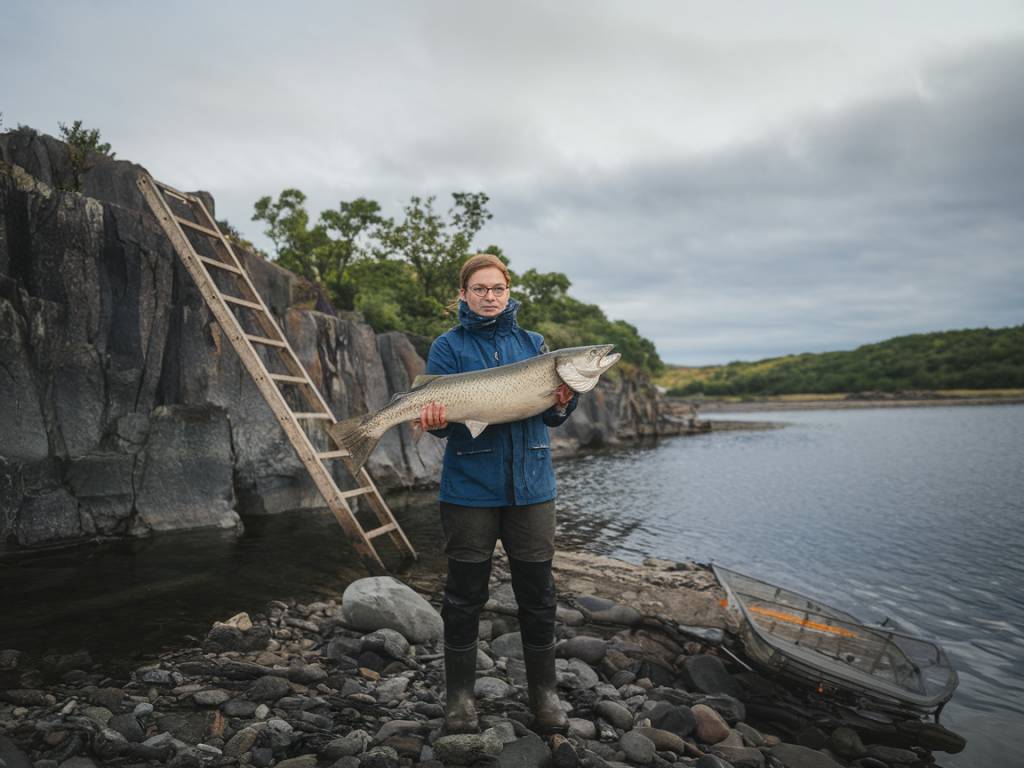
{"points": [[735, 186]]}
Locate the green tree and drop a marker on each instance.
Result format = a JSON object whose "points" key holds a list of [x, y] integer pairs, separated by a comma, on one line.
{"points": [[81, 143]]}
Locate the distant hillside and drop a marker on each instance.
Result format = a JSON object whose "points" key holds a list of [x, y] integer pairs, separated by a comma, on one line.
{"points": [[982, 358]]}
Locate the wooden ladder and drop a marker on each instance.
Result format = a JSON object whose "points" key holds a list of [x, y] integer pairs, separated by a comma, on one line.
{"points": [[178, 213]]}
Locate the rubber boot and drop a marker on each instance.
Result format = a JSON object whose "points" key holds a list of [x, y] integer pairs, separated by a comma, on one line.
{"points": [[534, 587], [466, 592], [540, 679], [460, 702]]}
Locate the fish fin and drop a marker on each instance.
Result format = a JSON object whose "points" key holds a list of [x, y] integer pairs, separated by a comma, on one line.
{"points": [[355, 437], [475, 427], [416, 431], [425, 378], [576, 380]]}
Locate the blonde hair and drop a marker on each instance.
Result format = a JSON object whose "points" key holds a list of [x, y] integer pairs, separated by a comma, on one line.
{"points": [[475, 263]]}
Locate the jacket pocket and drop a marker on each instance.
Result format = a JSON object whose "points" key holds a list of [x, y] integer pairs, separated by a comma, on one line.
{"points": [[472, 451]]}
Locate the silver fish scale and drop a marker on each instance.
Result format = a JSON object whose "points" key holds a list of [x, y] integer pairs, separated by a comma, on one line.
{"points": [[495, 395]]}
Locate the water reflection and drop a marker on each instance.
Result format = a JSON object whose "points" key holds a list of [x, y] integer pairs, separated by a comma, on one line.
{"points": [[908, 514]]}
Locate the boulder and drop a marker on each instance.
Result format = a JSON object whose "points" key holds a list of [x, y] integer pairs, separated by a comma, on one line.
{"points": [[380, 602]]}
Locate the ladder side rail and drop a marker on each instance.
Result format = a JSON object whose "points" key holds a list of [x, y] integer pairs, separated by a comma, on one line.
{"points": [[310, 392], [381, 509], [300, 440]]}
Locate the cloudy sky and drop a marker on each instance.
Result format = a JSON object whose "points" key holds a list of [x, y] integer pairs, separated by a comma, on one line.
{"points": [[736, 179]]}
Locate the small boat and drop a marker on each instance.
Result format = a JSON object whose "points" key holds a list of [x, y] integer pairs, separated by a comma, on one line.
{"points": [[793, 635]]}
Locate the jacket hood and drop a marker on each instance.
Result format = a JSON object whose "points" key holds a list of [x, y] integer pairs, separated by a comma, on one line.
{"points": [[501, 324]]}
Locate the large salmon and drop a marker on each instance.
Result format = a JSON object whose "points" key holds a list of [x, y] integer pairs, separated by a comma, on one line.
{"points": [[478, 398]]}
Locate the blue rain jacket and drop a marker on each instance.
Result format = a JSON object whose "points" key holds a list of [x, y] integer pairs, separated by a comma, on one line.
{"points": [[507, 464]]}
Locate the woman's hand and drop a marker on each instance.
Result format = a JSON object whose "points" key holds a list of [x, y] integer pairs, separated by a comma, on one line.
{"points": [[433, 416], [563, 395]]}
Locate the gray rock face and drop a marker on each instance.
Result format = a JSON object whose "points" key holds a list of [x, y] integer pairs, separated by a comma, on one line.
{"points": [[185, 474], [383, 602]]}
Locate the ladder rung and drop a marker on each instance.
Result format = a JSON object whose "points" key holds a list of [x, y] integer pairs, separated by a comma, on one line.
{"points": [[198, 227], [312, 415], [264, 340], [171, 192], [356, 492], [289, 379], [220, 265], [382, 530], [332, 455], [241, 302]]}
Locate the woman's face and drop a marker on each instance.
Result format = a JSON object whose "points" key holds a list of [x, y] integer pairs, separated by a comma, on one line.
{"points": [[487, 305]]}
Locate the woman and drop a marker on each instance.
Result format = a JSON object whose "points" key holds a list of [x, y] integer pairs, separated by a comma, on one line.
{"points": [[498, 485]]}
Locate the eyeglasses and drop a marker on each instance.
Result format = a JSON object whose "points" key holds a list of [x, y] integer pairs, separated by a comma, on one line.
{"points": [[481, 290]]}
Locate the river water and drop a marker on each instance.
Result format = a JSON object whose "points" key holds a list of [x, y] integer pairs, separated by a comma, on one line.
{"points": [[912, 514]]}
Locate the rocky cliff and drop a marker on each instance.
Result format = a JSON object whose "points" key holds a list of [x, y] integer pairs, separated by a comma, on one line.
{"points": [[124, 411]]}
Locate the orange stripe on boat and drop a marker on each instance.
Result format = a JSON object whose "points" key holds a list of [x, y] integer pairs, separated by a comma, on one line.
{"points": [[792, 619]]}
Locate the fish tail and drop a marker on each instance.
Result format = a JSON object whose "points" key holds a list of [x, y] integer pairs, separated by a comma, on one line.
{"points": [[356, 437]]}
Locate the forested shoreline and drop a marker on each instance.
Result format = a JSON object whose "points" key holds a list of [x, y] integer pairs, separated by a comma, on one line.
{"points": [[975, 359]]}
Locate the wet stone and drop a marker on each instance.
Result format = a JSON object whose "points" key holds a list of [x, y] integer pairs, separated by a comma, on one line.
{"points": [[354, 743], [664, 740], [307, 674], [584, 647], [492, 688], [386, 642], [563, 753], [241, 742], [25, 697], [528, 752], [268, 689], [128, 726], [796, 756], [584, 673], [239, 708], [378, 757], [638, 748], [616, 714], [303, 761], [711, 728], [582, 729], [371, 660], [100, 715], [509, 645], [741, 757], [707, 674], [753, 737], [392, 689], [892, 755], [110, 698], [467, 748], [405, 744], [211, 698]]}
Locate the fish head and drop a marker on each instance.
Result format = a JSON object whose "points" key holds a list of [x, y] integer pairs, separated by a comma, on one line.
{"points": [[581, 367]]}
